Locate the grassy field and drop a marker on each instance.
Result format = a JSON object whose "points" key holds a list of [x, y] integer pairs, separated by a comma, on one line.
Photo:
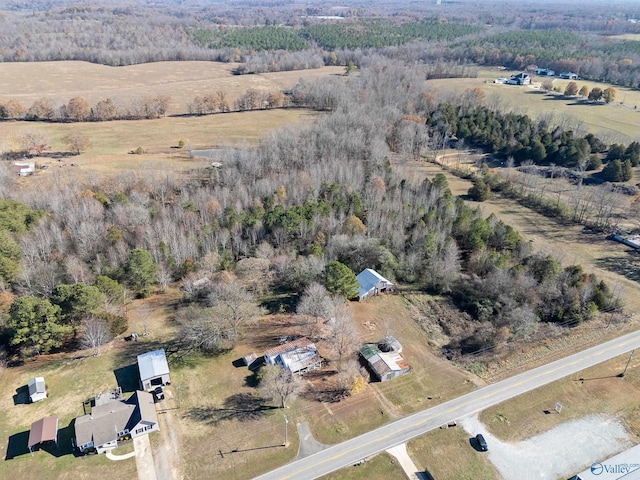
{"points": [[111, 142], [446, 453], [617, 122], [182, 81]]}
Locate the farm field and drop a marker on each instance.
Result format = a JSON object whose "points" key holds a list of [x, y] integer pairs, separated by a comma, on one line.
{"points": [[615, 122], [112, 141], [182, 81]]}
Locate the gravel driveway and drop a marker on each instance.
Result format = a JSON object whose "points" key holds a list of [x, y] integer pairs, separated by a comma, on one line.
{"points": [[560, 452]]}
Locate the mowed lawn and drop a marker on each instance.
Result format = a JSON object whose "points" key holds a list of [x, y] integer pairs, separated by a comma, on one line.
{"points": [[616, 122]]}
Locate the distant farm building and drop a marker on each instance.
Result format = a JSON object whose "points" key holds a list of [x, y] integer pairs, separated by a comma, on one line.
{"points": [[299, 356], [115, 422], [154, 370], [37, 389], [545, 72], [44, 430], [569, 76], [371, 283], [384, 359], [519, 79], [24, 169]]}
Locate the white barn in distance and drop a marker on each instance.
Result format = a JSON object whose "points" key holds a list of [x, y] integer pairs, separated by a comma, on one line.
{"points": [[371, 283], [154, 370]]}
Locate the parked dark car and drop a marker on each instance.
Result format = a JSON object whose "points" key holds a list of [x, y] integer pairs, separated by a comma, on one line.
{"points": [[158, 394], [482, 443]]}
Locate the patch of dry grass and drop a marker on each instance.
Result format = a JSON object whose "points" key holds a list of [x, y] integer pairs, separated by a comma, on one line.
{"points": [[380, 467], [446, 453]]}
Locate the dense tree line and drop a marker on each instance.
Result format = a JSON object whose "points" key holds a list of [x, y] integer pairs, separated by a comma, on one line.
{"points": [[278, 215], [375, 34], [78, 109], [256, 38], [523, 139]]}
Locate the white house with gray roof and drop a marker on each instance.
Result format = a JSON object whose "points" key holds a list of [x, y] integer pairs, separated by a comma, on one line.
{"points": [[114, 422]]}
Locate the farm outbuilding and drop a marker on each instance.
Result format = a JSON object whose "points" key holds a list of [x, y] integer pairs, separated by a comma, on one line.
{"points": [[569, 76], [371, 283], [44, 430], [299, 356], [37, 389], [154, 370], [385, 365]]}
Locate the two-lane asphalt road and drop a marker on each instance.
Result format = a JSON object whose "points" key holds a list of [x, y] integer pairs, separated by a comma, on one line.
{"points": [[400, 431]]}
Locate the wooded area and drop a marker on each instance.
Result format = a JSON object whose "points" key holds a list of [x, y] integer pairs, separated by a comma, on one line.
{"points": [[310, 204]]}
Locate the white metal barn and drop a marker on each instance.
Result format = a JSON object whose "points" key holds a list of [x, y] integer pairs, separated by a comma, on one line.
{"points": [[371, 283], [154, 370]]}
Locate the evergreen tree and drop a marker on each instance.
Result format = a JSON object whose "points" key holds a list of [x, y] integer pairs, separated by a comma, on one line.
{"points": [[612, 172], [141, 272], [341, 280], [36, 322]]}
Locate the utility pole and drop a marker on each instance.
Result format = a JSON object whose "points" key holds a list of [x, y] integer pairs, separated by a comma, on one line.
{"points": [[286, 431], [627, 365]]}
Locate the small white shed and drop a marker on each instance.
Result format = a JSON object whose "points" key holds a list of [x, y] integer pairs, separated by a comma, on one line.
{"points": [[37, 389]]}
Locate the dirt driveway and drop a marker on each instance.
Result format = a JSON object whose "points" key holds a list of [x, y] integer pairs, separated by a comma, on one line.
{"points": [[560, 452], [167, 454]]}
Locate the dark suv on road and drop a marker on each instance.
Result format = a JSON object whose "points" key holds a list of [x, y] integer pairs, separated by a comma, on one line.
{"points": [[482, 443]]}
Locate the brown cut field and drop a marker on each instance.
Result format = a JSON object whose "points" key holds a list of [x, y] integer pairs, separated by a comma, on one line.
{"points": [[182, 81]]}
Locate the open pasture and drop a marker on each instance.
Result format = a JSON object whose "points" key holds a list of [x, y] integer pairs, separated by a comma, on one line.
{"points": [[182, 81], [616, 122]]}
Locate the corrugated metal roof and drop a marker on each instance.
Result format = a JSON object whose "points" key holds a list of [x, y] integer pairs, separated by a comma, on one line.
{"points": [[301, 358], [624, 466], [369, 350], [43, 430], [152, 364], [367, 279], [288, 347]]}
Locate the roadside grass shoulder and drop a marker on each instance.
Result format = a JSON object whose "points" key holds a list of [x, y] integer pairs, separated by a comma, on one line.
{"points": [[380, 467], [447, 453]]}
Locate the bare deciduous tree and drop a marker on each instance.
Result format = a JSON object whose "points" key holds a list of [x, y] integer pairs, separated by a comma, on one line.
{"points": [[95, 334], [233, 305], [279, 384], [77, 141], [35, 143], [342, 334]]}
